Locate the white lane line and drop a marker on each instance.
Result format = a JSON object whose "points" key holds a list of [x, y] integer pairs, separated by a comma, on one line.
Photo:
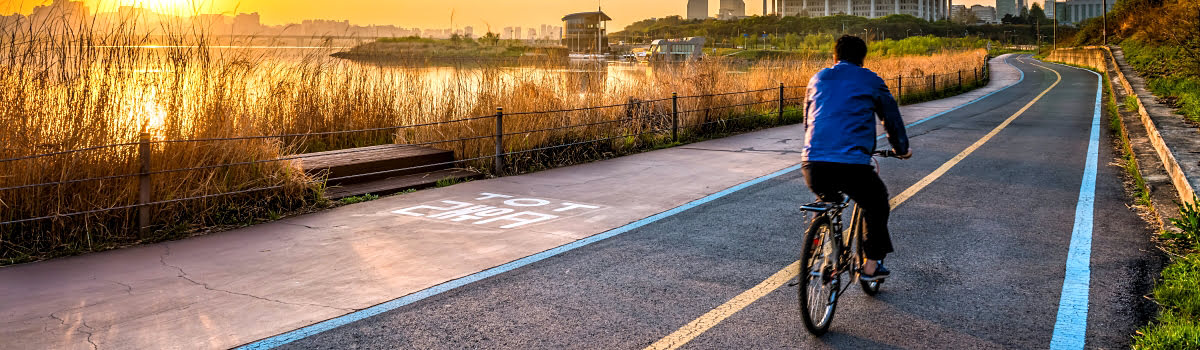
{"points": [[1070, 328]]}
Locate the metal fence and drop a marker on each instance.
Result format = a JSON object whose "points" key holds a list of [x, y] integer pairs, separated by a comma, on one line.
{"points": [[490, 143]]}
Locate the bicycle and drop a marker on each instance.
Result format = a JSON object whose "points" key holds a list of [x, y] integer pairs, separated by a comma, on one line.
{"points": [[824, 239]]}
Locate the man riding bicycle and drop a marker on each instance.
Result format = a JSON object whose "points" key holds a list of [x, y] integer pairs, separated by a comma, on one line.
{"points": [[842, 102]]}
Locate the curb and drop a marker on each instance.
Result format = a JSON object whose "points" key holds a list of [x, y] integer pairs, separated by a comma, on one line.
{"points": [[1187, 194]]}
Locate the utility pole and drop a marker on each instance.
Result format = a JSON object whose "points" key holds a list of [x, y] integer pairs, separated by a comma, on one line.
{"points": [[1104, 4], [1055, 35]]}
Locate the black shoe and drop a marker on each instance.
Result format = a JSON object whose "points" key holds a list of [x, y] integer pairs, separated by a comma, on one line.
{"points": [[881, 272]]}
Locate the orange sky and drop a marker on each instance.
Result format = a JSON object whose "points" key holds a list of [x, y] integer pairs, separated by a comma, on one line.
{"points": [[419, 13]]}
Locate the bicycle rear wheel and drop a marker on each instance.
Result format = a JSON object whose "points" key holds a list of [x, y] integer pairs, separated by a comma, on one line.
{"points": [[817, 284]]}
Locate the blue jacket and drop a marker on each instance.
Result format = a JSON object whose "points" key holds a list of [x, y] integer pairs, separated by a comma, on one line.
{"points": [[843, 102]]}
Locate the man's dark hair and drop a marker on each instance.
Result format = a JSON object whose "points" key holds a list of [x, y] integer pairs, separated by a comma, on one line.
{"points": [[851, 49]]}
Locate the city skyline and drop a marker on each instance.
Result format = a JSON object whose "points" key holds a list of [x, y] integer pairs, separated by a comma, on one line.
{"points": [[455, 14]]}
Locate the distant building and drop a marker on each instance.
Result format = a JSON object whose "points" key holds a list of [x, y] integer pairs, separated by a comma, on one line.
{"points": [[985, 14], [731, 9], [959, 13], [247, 23], [586, 32], [1049, 8], [313, 27], [469, 32], [1006, 7], [60, 10], [931, 10], [676, 50], [1022, 8], [697, 9], [1075, 11], [507, 34]]}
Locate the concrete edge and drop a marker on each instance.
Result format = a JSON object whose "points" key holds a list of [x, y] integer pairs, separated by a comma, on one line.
{"points": [[1183, 187], [1136, 143]]}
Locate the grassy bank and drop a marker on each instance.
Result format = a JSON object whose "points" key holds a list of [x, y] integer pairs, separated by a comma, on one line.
{"points": [[1167, 75], [224, 122], [1178, 293]]}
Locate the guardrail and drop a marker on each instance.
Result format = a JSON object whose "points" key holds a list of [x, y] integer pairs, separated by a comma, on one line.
{"points": [[676, 116]]}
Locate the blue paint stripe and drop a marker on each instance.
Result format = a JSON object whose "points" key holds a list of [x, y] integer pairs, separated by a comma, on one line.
{"points": [[276, 341], [1070, 328]]}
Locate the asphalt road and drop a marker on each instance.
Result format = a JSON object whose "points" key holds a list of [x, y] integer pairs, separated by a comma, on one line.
{"points": [[980, 260]]}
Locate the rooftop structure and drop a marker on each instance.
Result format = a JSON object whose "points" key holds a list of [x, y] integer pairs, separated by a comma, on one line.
{"points": [[586, 32]]}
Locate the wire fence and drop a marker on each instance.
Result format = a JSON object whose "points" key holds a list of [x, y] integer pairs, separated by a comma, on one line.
{"points": [[499, 143]]}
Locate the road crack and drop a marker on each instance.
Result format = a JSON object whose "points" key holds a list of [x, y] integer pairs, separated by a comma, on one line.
{"points": [[89, 330], [184, 275]]}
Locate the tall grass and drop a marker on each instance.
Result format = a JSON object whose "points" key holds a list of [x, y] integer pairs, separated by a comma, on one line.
{"points": [[69, 86]]}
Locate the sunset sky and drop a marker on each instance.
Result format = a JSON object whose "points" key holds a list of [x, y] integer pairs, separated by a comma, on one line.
{"points": [[417, 13]]}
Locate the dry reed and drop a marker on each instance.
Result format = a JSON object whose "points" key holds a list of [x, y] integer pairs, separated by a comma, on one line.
{"points": [[68, 87]]}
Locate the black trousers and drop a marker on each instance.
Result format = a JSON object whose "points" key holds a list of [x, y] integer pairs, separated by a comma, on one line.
{"points": [[829, 180]]}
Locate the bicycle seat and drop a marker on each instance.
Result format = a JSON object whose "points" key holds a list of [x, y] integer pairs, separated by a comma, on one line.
{"points": [[824, 206], [818, 207]]}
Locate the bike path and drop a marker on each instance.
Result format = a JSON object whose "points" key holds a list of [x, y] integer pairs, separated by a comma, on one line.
{"points": [[235, 287], [980, 261]]}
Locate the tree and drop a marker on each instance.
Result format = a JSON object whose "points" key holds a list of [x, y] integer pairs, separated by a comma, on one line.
{"points": [[1037, 15], [490, 38]]}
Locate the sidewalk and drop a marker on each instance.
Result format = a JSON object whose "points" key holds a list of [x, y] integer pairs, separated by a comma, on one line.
{"points": [[235, 287]]}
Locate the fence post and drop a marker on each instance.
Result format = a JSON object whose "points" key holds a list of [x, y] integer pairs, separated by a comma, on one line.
{"points": [[976, 75], [899, 87], [674, 117], [960, 79], [780, 103], [144, 186], [934, 89], [498, 161]]}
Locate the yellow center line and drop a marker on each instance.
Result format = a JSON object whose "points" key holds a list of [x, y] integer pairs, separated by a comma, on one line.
{"points": [[705, 322]]}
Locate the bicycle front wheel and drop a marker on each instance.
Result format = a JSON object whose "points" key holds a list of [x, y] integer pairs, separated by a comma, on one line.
{"points": [[818, 285]]}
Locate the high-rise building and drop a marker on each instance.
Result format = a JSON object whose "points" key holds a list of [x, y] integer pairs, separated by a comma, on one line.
{"points": [[1006, 7], [731, 9], [927, 9], [1074, 11], [1048, 7], [985, 14], [1022, 8], [697, 9]]}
